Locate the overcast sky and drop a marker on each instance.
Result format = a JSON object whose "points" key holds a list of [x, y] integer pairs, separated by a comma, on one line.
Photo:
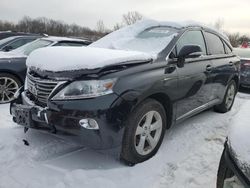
{"points": [[234, 13]]}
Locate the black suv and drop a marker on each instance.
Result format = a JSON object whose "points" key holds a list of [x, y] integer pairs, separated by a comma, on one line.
{"points": [[129, 87]]}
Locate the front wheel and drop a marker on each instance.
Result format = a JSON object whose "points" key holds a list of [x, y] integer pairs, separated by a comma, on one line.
{"points": [[228, 100], [144, 132]]}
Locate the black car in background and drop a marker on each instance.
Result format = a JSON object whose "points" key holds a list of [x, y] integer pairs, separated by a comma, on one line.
{"points": [[244, 54], [128, 88], [13, 67], [12, 43], [6, 34]]}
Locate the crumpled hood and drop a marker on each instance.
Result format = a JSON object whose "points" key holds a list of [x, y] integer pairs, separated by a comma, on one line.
{"points": [[238, 139], [58, 59]]}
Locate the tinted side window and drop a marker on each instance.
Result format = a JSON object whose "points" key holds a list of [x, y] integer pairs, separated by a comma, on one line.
{"points": [[227, 49], [214, 44], [192, 37], [19, 42], [70, 44]]}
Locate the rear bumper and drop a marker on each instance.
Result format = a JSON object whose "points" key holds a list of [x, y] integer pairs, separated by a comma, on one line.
{"points": [[231, 163], [62, 117]]}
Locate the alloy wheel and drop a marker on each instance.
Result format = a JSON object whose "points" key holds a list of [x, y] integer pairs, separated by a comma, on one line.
{"points": [[230, 96], [148, 132], [8, 87]]}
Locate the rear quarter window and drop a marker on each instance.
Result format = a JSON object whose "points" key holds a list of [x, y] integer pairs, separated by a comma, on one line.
{"points": [[214, 43], [227, 48]]}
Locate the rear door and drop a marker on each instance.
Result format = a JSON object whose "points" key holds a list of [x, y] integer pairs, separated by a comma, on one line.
{"points": [[225, 64], [194, 84]]}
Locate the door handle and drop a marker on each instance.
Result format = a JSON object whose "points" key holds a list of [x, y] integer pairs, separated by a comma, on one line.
{"points": [[231, 63], [209, 68]]}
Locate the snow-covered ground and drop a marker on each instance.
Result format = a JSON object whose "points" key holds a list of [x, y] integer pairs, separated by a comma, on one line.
{"points": [[188, 157]]}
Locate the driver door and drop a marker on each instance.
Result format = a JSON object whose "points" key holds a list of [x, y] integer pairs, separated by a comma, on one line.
{"points": [[194, 83]]}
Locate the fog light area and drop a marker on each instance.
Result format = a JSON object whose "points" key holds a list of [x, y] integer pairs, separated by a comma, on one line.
{"points": [[89, 124]]}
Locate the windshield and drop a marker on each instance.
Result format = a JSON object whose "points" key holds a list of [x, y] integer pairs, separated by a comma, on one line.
{"points": [[30, 47], [242, 52], [152, 40], [3, 41]]}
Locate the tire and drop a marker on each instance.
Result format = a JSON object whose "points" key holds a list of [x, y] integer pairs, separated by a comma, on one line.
{"points": [[9, 84], [142, 138], [223, 172], [228, 100]]}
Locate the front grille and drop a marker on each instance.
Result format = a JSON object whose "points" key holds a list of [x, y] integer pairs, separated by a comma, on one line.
{"points": [[40, 88]]}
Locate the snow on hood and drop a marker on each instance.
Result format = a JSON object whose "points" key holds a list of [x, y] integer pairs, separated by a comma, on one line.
{"points": [[58, 59], [239, 140]]}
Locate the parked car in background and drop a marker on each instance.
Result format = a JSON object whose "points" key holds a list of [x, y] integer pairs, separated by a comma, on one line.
{"points": [[244, 54], [6, 34], [12, 43], [127, 88], [234, 168], [13, 67], [245, 45]]}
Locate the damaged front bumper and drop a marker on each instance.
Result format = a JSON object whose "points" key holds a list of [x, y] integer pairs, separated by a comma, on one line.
{"points": [[65, 117]]}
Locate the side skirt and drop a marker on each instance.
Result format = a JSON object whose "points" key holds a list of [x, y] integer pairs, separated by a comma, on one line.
{"points": [[198, 110]]}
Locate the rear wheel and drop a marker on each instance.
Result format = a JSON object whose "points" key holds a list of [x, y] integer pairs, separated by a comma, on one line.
{"points": [[9, 84], [144, 132], [228, 100]]}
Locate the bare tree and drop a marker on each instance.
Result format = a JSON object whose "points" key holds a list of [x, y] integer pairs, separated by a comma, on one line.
{"points": [[100, 27], [131, 17], [243, 39], [117, 26], [234, 39], [219, 24], [50, 27]]}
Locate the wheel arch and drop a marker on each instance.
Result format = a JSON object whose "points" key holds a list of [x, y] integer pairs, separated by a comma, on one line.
{"points": [[166, 103], [13, 74], [237, 80], [135, 98]]}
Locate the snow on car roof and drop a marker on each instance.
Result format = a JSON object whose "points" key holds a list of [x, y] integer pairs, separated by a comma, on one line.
{"points": [[238, 138], [133, 30]]}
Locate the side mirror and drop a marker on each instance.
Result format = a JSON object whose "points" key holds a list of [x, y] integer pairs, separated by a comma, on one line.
{"points": [[7, 48], [188, 51]]}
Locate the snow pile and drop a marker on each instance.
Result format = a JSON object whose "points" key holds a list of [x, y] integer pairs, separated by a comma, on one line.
{"points": [[239, 140], [58, 59], [188, 158]]}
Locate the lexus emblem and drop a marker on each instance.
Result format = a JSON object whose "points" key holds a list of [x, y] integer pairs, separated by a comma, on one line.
{"points": [[33, 89]]}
